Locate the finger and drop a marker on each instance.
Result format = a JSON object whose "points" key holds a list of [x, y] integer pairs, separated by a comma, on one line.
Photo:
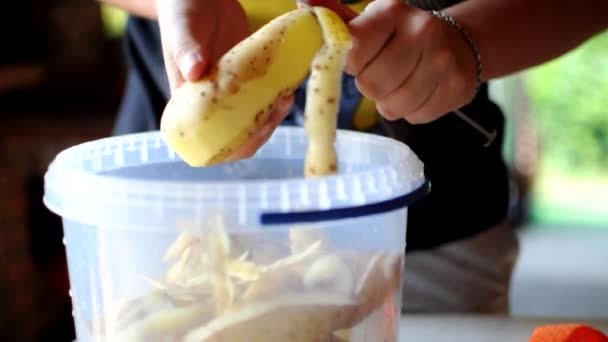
{"points": [[345, 12], [183, 56], [264, 131], [431, 109], [186, 28], [371, 31], [174, 76], [446, 97], [249, 148], [187, 52], [191, 64], [257, 140], [387, 71], [416, 90], [282, 108]]}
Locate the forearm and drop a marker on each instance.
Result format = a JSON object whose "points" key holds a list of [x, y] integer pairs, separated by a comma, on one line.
{"points": [[513, 35], [141, 8]]}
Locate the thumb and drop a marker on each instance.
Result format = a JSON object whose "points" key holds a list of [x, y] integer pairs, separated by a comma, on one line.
{"points": [[345, 12], [184, 34], [188, 56], [183, 58]]}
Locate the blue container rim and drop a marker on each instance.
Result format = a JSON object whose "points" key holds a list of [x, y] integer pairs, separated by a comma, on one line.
{"points": [[399, 202]]}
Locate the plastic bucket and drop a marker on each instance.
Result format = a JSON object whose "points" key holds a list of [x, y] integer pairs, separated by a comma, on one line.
{"points": [[258, 252]]}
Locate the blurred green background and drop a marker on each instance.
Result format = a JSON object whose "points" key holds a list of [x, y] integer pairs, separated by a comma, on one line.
{"points": [[566, 103], [570, 102], [557, 130]]}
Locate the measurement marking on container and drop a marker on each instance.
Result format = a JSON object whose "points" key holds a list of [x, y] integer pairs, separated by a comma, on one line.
{"points": [[242, 204], [284, 197], [264, 195], [143, 155], [324, 201], [119, 158], [341, 190], [304, 195], [131, 143], [97, 159], [170, 153]]}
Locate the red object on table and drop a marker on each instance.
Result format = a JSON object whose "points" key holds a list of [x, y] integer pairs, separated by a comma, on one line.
{"points": [[567, 333]]}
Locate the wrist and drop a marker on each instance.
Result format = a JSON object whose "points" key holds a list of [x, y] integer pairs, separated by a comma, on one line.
{"points": [[473, 62]]}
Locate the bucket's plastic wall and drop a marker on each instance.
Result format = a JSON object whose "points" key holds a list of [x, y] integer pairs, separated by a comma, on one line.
{"points": [[110, 266], [124, 200]]}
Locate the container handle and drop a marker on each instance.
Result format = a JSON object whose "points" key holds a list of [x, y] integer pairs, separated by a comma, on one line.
{"points": [[276, 218]]}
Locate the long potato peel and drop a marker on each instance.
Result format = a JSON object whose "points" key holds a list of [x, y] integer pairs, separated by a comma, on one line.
{"points": [[323, 93], [205, 121]]}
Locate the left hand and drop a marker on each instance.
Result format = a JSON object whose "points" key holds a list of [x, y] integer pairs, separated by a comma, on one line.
{"points": [[413, 65]]}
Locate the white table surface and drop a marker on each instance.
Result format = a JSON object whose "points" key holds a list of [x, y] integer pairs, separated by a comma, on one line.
{"points": [[477, 328], [482, 328]]}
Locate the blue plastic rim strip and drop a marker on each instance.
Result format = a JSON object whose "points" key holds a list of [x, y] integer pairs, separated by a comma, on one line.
{"points": [[349, 212]]}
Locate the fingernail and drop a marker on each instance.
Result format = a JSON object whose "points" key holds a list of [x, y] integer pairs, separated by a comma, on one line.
{"points": [[187, 63]]}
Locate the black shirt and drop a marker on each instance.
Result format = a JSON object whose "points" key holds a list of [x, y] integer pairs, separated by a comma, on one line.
{"points": [[469, 181]]}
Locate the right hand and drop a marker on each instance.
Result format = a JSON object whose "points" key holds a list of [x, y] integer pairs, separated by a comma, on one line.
{"points": [[194, 35]]}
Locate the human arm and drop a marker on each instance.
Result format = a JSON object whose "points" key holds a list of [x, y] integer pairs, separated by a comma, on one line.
{"points": [[518, 34]]}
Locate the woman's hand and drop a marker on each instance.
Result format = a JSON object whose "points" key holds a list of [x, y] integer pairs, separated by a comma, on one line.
{"points": [[412, 64], [194, 35]]}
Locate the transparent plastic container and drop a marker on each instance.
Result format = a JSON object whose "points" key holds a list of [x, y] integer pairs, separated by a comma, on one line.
{"points": [[244, 251]]}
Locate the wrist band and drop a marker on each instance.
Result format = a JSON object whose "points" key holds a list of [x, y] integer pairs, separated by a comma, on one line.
{"points": [[469, 41]]}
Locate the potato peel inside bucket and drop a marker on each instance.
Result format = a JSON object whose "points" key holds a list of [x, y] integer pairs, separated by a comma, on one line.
{"points": [[232, 287], [287, 317]]}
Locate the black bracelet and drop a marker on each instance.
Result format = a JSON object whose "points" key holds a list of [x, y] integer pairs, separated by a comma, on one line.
{"points": [[469, 41]]}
